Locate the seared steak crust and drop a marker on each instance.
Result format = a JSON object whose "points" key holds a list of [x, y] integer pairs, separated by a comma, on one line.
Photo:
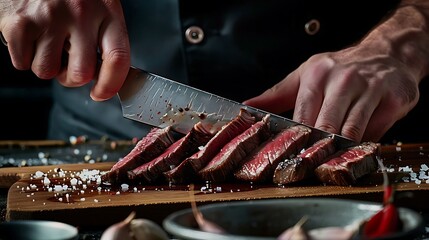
{"points": [[228, 158], [259, 166], [346, 166], [173, 155], [149, 147], [191, 165], [302, 166]]}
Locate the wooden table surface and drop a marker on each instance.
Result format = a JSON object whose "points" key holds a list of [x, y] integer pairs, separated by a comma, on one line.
{"points": [[156, 202]]}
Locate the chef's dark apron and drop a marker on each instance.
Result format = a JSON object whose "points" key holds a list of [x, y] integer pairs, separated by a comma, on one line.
{"points": [[235, 49]]}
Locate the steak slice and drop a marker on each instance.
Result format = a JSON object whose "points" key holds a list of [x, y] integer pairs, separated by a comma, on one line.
{"points": [[260, 165], [302, 166], [149, 147], [346, 166], [228, 158], [173, 155], [186, 171]]}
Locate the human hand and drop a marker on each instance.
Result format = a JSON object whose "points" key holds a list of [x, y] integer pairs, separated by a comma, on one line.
{"points": [[40, 33], [356, 92]]}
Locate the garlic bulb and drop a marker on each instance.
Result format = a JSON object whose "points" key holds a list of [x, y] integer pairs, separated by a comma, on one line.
{"points": [[296, 232], [144, 229], [120, 230], [134, 229]]}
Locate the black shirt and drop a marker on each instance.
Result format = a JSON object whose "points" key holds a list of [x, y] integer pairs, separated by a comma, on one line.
{"points": [[237, 50]]}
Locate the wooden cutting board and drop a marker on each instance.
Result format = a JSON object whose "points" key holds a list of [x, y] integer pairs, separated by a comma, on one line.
{"points": [[102, 208]]}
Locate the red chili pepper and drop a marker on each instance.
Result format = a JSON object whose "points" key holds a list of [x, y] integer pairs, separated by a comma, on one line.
{"points": [[387, 220]]}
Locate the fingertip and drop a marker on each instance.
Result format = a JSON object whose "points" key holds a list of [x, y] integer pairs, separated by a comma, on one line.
{"points": [[99, 93]]}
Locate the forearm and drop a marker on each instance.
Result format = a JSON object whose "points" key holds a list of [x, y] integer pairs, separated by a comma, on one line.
{"points": [[405, 36]]}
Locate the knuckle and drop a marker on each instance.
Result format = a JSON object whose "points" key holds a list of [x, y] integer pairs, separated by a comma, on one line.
{"points": [[79, 76], [118, 56], [44, 71], [78, 7], [353, 132], [328, 128], [20, 64]]}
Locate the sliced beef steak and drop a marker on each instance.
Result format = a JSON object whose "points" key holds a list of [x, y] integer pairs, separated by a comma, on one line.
{"points": [[149, 147], [186, 171], [228, 158], [302, 166], [259, 166], [346, 166], [172, 156]]}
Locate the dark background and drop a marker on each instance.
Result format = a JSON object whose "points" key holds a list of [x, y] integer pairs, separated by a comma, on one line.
{"points": [[25, 102]]}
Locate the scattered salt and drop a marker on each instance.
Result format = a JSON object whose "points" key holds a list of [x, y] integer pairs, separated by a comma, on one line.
{"points": [[39, 174], [124, 187], [58, 188], [73, 181], [41, 155]]}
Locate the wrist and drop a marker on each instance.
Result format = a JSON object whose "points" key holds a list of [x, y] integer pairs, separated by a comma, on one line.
{"points": [[404, 36]]}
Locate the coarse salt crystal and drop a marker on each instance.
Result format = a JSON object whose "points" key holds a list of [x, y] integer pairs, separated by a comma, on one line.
{"points": [[124, 187], [405, 169], [73, 181], [58, 188], [39, 174], [46, 181]]}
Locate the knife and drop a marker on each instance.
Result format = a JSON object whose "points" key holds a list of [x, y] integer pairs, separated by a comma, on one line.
{"points": [[161, 102]]}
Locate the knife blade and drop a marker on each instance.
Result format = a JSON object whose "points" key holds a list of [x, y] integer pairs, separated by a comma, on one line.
{"points": [[161, 102]]}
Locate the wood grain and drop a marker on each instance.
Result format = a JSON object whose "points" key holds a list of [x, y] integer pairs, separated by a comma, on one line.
{"points": [[106, 208]]}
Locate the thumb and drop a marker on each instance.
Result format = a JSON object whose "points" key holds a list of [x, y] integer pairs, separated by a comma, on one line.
{"points": [[280, 98]]}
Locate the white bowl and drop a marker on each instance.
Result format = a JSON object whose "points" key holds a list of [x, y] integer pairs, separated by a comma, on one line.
{"points": [[37, 230], [267, 219]]}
